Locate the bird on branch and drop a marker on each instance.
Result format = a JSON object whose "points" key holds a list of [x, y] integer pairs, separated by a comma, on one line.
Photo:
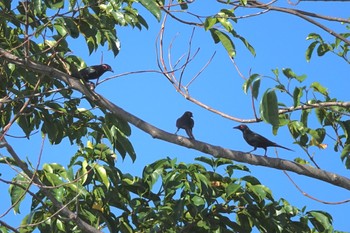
{"points": [[92, 72], [256, 140], [186, 122]]}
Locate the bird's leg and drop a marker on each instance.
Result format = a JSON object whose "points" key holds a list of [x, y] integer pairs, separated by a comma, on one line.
{"points": [[265, 152], [177, 130], [91, 85], [252, 150]]}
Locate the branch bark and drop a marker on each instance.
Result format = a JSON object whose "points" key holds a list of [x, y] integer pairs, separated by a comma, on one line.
{"points": [[216, 151]]}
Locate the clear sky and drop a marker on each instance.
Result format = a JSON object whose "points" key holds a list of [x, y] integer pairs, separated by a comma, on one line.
{"points": [[279, 41]]}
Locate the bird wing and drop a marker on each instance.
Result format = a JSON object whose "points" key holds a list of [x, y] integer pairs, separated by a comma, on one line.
{"points": [[191, 123], [89, 72], [179, 123], [257, 140], [260, 141]]}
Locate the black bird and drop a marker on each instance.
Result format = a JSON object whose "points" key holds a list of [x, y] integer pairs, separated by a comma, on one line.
{"points": [[92, 72], [256, 140], [186, 122]]}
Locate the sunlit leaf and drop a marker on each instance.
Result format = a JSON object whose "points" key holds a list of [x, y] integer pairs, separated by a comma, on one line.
{"points": [[209, 22], [101, 171], [225, 40], [152, 7], [319, 88]]}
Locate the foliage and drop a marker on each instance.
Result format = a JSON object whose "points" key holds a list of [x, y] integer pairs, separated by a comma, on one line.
{"points": [[169, 197]]}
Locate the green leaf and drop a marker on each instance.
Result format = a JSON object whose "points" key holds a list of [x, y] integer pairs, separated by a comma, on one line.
{"points": [[152, 7], [72, 27], [258, 190], [60, 226], [296, 128], [38, 7], [232, 189], [246, 43], [113, 42], [310, 50], [222, 18], [322, 221], [319, 88], [255, 89], [101, 171], [206, 160], [225, 40], [183, 4], [323, 49], [55, 4], [314, 36], [345, 154], [297, 94], [209, 23], [17, 191], [269, 108], [321, 114], [288, 73], [198, 201], [247, 84], [301, 161]]}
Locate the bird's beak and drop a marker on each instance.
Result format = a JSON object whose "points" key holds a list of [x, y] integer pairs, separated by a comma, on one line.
{"points": [[236, 127], [111, 70]]}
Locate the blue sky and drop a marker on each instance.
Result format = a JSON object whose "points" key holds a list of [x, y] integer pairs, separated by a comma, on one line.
{"points": [[279, 41]]}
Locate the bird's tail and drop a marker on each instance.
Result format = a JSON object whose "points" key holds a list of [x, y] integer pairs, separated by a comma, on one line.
{"points": [[189, 133], [283, 147]]}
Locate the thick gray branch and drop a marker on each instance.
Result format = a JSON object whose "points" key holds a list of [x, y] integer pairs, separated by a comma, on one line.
{"points": [[216, 151]]}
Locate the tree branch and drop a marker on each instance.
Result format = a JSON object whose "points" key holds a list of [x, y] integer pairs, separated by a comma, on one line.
{"points": [[75, 83], [216, 151]]}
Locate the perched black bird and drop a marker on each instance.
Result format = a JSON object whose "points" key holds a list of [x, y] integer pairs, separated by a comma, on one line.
{"points": [[256, 140], [92, 72], [186, 122]]}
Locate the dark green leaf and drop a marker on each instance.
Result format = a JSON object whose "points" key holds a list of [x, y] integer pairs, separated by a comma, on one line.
{"points": [[323, 48], [345, 154], [206, 160], [269, 108], [54, 4], [255, 89], [310, 50], [247, 84], [289, 73]]}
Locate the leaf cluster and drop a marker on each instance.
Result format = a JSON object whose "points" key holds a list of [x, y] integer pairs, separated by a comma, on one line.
{"points": [[169, 197]]}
